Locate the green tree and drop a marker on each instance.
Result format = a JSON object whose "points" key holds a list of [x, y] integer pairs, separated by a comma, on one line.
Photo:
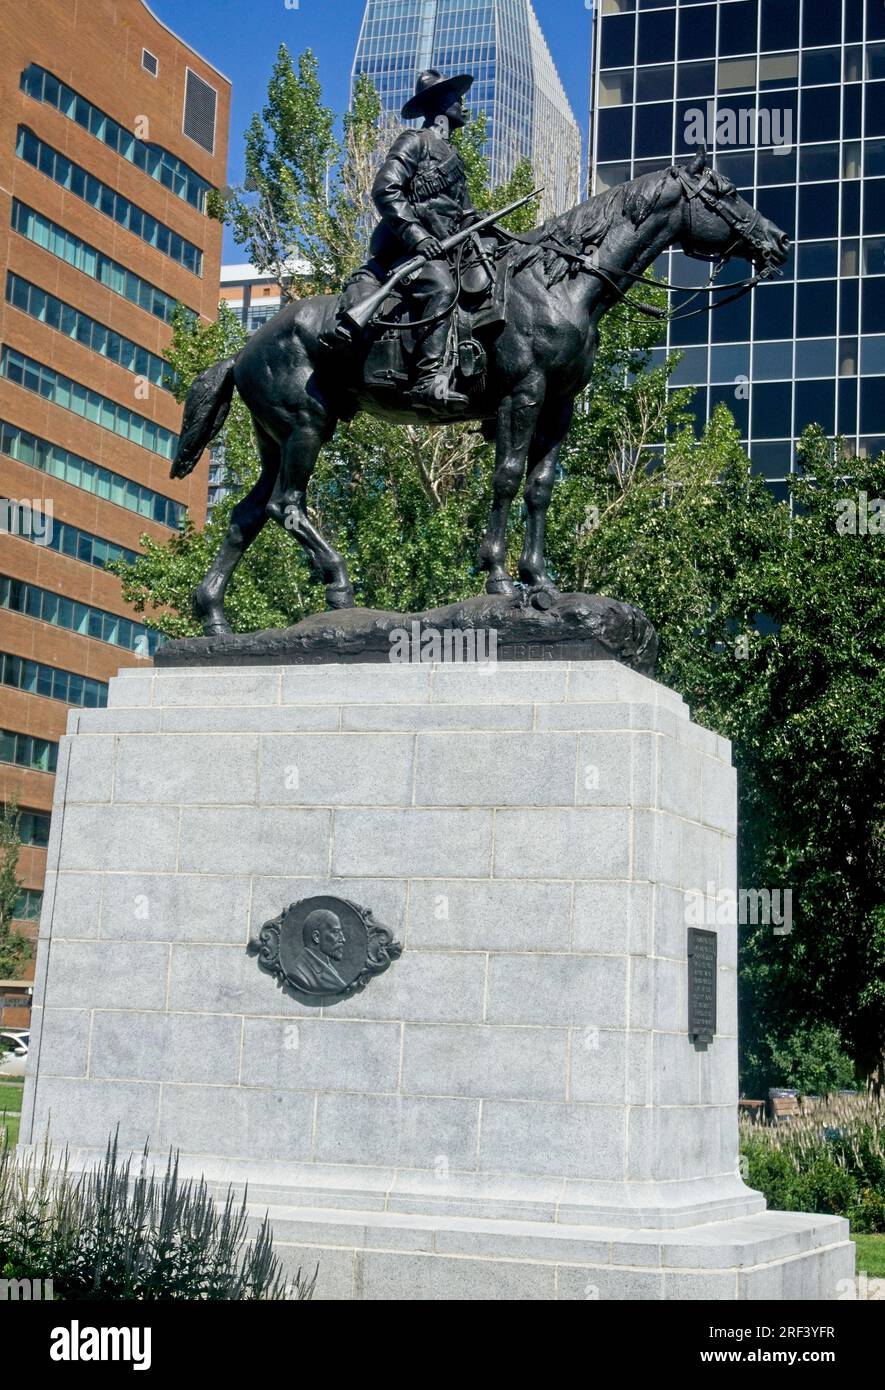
{"points": [[306, 194], [15, 949], [811, 1059]]}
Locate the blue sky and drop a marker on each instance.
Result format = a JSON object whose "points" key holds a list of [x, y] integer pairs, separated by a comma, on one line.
{"points": [[241, 38]]}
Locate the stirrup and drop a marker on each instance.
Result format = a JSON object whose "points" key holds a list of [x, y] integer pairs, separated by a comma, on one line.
{"points": [[434, 393]]}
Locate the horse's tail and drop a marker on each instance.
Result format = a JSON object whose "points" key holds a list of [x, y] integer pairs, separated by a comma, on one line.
{"points": [[205, 411]]}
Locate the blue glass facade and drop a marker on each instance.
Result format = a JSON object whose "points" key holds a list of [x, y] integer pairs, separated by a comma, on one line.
{"points": [[500, 43], [790, 94]]}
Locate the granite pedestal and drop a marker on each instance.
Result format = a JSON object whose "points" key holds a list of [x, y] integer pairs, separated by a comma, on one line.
{"points": [[515, 1109]]}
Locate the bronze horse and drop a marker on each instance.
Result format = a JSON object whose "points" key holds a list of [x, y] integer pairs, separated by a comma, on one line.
{"points": [[565, 276]]}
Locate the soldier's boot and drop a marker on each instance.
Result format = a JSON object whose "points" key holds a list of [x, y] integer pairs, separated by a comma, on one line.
{"points": [[432, 388]]}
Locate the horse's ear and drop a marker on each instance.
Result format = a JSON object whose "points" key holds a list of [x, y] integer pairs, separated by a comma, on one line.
{"points": [[698, 164]]}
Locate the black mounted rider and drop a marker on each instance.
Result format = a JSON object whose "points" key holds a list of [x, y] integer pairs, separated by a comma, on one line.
{"points": [[421, 194]]}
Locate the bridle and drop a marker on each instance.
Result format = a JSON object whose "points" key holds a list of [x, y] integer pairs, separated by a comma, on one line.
{"points": [[746, 231]]}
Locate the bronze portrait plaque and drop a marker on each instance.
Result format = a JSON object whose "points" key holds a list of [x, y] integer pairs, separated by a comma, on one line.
{"points": [[324, 949]]}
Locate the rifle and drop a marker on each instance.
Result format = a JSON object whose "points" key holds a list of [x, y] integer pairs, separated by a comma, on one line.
{"points": [[360, 315]]}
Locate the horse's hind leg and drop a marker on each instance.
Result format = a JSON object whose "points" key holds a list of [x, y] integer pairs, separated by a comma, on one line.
{"points": [[246, 520], [288, 507]]}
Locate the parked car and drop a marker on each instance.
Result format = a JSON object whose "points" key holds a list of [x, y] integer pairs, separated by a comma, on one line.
{"points": [[17, 1041]]}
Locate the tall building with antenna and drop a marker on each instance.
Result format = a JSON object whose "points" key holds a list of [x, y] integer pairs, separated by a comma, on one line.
{"points": [[516, 85]]}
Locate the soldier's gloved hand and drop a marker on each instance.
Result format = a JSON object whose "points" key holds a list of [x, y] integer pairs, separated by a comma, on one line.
{"points": [[429, 248]]}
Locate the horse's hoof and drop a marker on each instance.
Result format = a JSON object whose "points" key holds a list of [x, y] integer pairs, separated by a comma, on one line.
{"points": [[504, 586], [340, 596], [210, 617]]}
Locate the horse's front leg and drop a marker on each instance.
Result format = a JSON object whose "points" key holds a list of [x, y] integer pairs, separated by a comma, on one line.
{"points": [[553, 426], [517, 418]]}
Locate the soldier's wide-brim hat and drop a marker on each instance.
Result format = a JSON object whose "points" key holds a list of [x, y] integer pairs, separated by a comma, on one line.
{"points": [[433, 90]]}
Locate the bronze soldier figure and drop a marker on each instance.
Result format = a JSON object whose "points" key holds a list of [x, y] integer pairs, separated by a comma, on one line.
{"points": [[421, 194]]}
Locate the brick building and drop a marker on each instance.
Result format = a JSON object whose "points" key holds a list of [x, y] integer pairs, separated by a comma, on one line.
{"points": [[112, 134]]}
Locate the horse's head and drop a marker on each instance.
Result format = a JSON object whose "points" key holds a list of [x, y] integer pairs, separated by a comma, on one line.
{"points": [[719, 222]]}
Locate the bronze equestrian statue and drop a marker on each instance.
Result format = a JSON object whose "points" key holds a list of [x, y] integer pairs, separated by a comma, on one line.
{"points": [[517, 348]]}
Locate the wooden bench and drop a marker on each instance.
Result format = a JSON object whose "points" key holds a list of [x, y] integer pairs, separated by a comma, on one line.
{"points": [[783, 1108], [754, 1109]]}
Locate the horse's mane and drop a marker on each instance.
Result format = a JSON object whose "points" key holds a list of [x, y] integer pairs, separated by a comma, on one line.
{"points": [[587, 224]]}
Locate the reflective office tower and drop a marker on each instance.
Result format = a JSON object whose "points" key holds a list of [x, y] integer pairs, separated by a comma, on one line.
{"points": [[516, 83], [791, 93]]}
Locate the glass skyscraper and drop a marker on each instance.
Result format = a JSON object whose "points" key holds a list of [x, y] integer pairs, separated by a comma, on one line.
{"points": [[516, 83], [791, 93]]}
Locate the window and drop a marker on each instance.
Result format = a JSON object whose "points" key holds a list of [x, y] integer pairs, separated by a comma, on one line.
{"points": [[779, 24], [821, 23], [728, 363], [655, 83], [199, 112], [64, 318], [773, 313], [821, 65], [614, 133], [35, 678], [153, 160], [47, 607], [71, 395], [29, 905], [94, 263], [737, 74], [772, 460], [819, 162], [697, 32], [874, 255], [618, 36], [737, 27], [23, 750], [818, 211], [695, 79], [815, 405], [816, 308], [771, 403], [105, 200], [772, 361], [616, 88], [816, 357], [778, 70], [149, 62], [653, 131], [776, 166], [817, 260], [657, 37], [33, 828], [61, 536]]}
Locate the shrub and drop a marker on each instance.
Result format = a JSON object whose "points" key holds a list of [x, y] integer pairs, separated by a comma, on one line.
{"points": [[113, 1234], [830, 1159]]}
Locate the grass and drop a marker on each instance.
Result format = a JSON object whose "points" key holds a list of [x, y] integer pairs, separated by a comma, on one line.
{"points": [[870, 1255], [10, 1108]]}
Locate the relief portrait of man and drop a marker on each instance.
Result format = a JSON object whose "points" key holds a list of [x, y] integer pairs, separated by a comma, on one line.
{"points": [[313, 969]]}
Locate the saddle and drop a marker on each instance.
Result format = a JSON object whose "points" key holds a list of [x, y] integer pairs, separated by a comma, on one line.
{"points": [[483, 275]]}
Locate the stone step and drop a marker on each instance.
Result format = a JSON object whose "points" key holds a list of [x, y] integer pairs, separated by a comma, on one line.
{"points": [[740, 1244]]}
